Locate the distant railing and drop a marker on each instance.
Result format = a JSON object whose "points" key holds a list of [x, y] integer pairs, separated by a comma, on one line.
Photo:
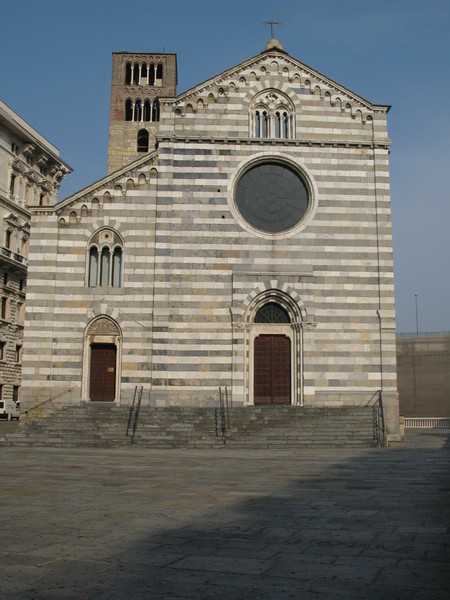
{"points": [[379, 427], [427, 422], [133, 417], [422, 333], [222, 415], [39, 404]]}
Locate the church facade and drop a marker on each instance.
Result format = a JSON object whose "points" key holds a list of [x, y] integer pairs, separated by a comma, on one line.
{"points": [[241, 239]]}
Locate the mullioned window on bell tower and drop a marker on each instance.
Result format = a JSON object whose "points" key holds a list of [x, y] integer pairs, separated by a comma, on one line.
{"points": [[139, 111], [144, 74]]}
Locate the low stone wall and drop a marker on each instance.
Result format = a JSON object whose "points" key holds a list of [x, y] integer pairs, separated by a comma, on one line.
{"points": [[423, 371]]}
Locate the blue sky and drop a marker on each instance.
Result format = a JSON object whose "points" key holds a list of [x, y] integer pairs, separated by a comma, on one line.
{"points": [[55, 72]]}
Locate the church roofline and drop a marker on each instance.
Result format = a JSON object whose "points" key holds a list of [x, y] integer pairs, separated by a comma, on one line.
{"points": [[97, 184], [285, 55], [140, 53]]}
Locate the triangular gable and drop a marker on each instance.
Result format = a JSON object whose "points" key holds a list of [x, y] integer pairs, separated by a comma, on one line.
{"points": [[305, 75], [101, 184]]}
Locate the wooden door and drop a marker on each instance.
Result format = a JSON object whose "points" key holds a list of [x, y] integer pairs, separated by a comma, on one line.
{"points": [[103, 373], [272, 370]]}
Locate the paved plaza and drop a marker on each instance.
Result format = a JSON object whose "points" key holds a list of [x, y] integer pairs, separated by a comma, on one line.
{"points": [[134, 523]]}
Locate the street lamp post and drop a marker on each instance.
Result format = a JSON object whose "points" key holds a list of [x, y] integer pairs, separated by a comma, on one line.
{"points": [[417, 314]]}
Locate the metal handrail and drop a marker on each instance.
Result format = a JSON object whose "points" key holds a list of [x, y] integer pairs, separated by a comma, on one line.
{"points": [[224, 416], [39, 404], [136, 414], [378, 418], [130, 416]]}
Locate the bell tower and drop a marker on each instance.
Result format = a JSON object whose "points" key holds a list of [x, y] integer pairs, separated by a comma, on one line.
{"points": [[140, 81]]}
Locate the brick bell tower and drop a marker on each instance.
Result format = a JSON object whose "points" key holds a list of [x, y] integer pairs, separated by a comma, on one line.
{"points": [[139, 82]]}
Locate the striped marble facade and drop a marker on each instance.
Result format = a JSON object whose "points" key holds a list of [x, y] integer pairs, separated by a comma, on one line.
{"points": [[194, 274]]}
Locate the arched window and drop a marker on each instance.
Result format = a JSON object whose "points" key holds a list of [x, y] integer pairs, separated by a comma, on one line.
{"points": [[151, 75], [93, 267], [277, 125], [272, 115], [116, 267], [105, 259], [136, 74], [159, 72], [147, 110], [128, 74], [105, 267], [128, 109], [138, 110], [257, 124], [142, 141], [285, 125], [155, 110], [144, 71], [265, 125]]}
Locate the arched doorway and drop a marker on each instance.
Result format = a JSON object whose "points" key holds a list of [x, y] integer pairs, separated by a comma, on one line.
{"points": [[102, 344], [275, 351]]}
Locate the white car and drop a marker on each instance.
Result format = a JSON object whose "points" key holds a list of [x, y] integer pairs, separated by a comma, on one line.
{"points": [[9, 410]]}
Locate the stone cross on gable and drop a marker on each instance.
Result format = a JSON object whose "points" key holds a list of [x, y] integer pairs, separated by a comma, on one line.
{"points": [[272, 23]]}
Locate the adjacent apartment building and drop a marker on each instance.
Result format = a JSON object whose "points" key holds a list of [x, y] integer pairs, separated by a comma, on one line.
{"points": [[30, 175]]}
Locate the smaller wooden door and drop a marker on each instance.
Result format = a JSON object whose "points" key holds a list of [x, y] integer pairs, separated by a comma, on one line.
{"points": [[102, 386], [272, 370]]}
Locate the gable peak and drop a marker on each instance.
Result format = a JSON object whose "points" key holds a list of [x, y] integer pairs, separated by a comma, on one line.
{"points": [[273, 44]]}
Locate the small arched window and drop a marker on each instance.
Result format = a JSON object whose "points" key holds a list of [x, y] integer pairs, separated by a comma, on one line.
{"points": [[265, 125], [93, 267], [116, 267], [105, 259], [142, 141], [105, 267], [257, 124], [128, 74], [128, 109], [151, 75], [159, 72], [277, 125], [285, 125], [144, 71], [136, 74], [138, 110], [155, 110], [147, 110]]}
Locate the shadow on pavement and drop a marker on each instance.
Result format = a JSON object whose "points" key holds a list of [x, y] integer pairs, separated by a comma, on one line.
{"points": [[233, 525]]}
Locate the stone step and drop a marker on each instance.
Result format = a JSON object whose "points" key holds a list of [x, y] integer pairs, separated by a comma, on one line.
{"points": [[193, 427]]}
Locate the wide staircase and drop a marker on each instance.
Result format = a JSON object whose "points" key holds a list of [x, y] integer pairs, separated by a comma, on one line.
{"points": [[176, 427]]}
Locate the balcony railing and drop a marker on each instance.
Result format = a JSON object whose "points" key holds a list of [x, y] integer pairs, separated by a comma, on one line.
{"points": [[15, 257]]}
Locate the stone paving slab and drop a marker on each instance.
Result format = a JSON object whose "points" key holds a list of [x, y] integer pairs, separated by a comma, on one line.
{"points": [[85, 524]]}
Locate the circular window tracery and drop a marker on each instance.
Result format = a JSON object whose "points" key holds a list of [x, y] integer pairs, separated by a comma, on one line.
{"points": [[272, 197]]}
